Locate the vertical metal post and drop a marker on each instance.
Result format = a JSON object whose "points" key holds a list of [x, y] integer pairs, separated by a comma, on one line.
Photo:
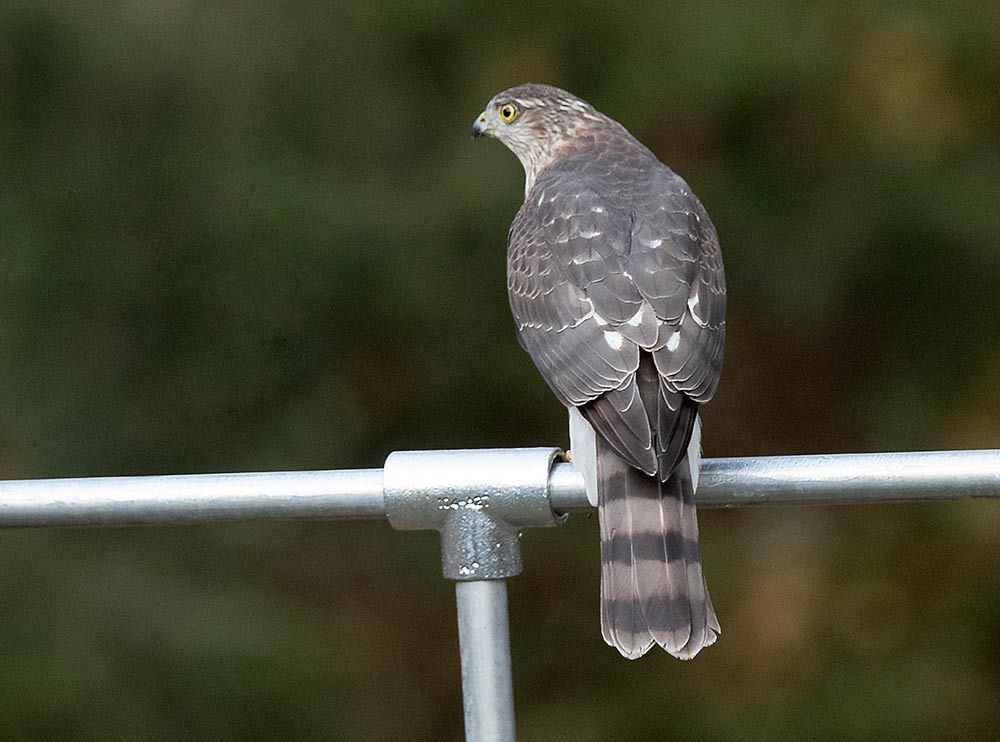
{"points": [[480, 547], [484, 641]]}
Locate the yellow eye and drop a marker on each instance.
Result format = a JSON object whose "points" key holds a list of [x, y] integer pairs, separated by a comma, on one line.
{"points": [[507, 112]]}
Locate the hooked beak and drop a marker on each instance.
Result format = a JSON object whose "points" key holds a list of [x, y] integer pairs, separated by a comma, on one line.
{"points": [[479, 126]]}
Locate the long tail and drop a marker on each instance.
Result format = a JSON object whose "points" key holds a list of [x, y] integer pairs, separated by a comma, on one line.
{"points": [[652, 586]]}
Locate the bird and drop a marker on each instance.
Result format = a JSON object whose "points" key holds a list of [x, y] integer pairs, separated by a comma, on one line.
{"points": [[616, 285]]}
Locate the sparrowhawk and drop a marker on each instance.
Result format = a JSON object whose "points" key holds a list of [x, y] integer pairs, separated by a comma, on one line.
{"points": [[615, 280]]}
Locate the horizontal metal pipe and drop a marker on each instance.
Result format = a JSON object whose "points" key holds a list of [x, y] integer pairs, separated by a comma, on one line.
{"points": [[358, 494], [818, 479], [852, 478], [193, 498]]}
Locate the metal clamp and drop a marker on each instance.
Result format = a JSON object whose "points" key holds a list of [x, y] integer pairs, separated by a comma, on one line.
{"points": [[480, 528]]}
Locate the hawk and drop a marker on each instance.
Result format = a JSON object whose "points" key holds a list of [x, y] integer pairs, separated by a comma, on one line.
{"points": [[615, 280]]}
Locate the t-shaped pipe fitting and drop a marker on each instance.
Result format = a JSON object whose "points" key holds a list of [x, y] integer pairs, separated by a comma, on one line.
{"points": [[478, 499]]}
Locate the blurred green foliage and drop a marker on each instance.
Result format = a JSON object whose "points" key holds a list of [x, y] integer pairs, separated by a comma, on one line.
{"points": [[248, 235]]}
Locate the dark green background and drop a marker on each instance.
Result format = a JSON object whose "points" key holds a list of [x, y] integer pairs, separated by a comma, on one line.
{"points": [[256, 235]]}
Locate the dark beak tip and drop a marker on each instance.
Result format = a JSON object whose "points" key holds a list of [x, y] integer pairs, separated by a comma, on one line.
{"points": [[478, 129]]}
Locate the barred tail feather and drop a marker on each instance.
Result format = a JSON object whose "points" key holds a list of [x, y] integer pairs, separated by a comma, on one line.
{"points": [[623, 624], [652, 586]]}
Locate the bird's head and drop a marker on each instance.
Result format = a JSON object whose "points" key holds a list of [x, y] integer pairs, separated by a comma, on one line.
{"points": [[535, 122]]}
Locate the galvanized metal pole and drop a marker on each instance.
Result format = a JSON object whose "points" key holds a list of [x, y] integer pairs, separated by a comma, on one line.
{"points": [[487, 483], [822, 479], [484, 641], [192, 498], [480, 547]]}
